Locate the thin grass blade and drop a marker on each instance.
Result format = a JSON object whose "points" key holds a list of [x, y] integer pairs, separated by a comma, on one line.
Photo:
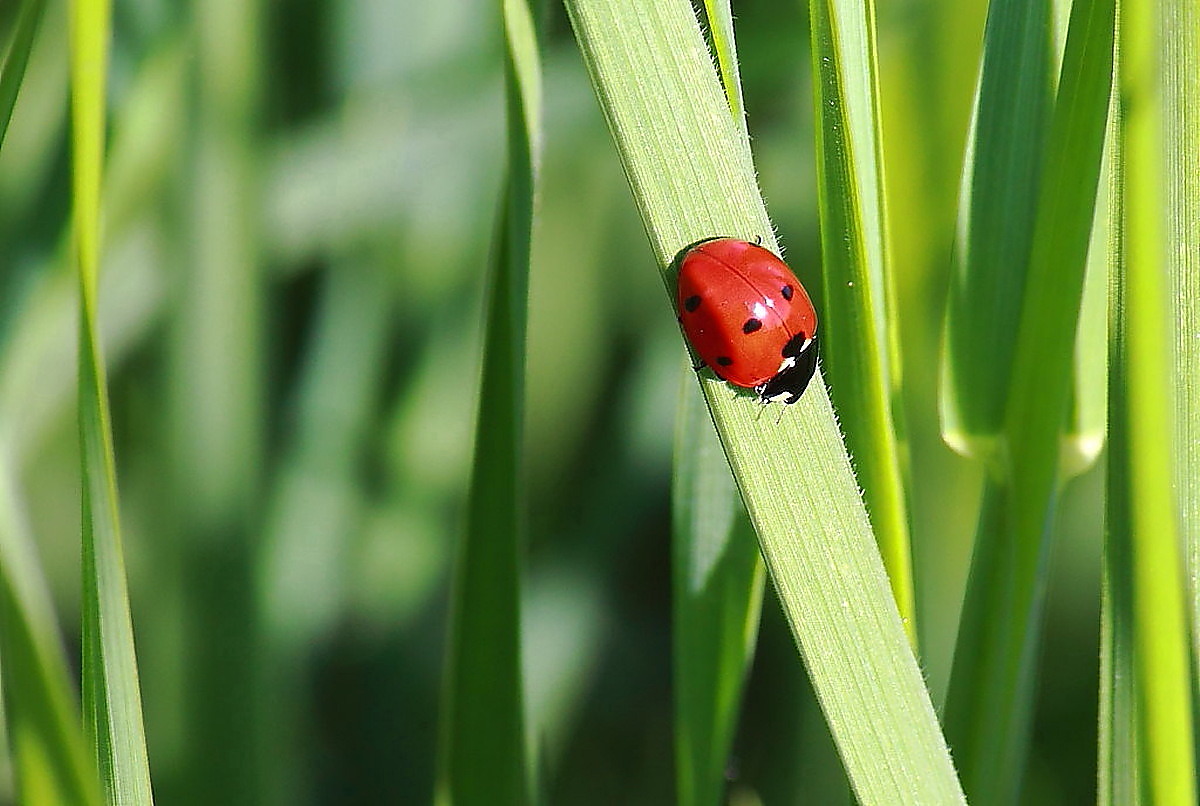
{"points": [[1181, 136], [860, 355], [717, 580], [1119, 745], [483, 759], [720, 29], [111, 695], [692, 179]]}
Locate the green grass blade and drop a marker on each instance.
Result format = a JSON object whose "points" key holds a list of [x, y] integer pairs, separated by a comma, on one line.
{"points": [[717, 581], [217, 375], [720, 28], [692, 179], [1119, 763], [989, 703], [1145, 310], [483, 759], [997, 206], [12, 67], [49, 753], [111, 696], [860, 355], [1181, 130]]}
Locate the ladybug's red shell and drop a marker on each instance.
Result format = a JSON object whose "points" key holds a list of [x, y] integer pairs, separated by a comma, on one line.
{"points": [[748, 317]]}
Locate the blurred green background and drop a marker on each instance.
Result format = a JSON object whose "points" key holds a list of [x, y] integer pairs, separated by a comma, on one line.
{"points": [[300, 203]]}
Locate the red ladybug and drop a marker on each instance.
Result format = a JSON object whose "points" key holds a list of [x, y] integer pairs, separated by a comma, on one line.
{"points": [[748, 318]]}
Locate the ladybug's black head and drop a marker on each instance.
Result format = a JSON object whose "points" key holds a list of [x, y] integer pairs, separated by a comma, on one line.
{"points": [[793, 377]]}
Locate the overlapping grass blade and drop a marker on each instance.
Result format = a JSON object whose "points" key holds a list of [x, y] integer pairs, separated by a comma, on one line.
{"points": [[859, 347], [990, 698], [717, 585], [483, 759], [111, 695], [691, 179]]}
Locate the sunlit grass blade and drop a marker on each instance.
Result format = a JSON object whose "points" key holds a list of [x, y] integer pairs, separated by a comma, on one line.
{"points": [[112, 704], [860, 354], [692, 179], [482, 753], [12, 66], [50, 758], [717, 586], [1181, 136], [1143, 385], [991, 689]]}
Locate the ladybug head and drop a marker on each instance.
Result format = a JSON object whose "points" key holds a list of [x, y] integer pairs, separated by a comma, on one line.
{"points": [[799, 364]]}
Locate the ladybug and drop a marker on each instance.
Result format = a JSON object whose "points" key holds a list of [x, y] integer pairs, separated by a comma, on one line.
{"points": [[748, 318]]}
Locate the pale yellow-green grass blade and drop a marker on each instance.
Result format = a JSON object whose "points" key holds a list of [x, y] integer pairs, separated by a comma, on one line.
{"points": [[112, 704], [482, 753], [1181, 137], [1145, 310], [717, 581], [692, 179], [50, 757], [857, 331], [16, 56], [991, 689]]}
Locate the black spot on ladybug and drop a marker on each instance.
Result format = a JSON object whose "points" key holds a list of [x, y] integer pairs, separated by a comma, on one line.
{"points": [[751, 325], [691, 303], [794, 346], [724, 360], [787, 292]]}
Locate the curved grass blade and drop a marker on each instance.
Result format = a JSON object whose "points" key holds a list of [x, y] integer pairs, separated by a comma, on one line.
{"points": [[990, 699], [12, 68], [861, 356], [483, 758], [717, 580], [692, 179], [112, 703]]}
